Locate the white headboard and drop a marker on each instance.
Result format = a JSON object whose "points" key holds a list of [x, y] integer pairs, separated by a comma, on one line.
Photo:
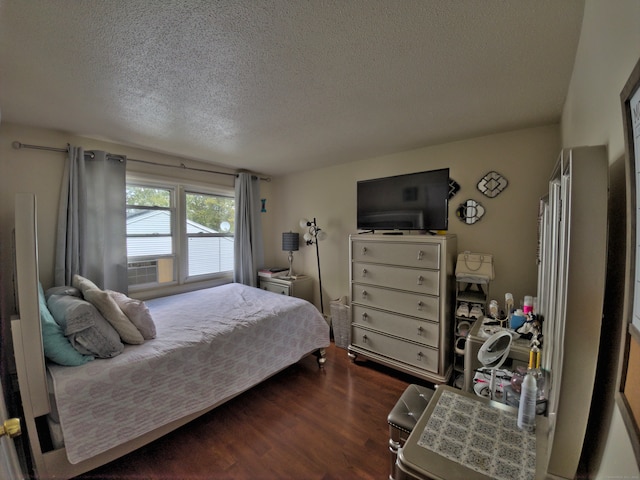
{"points": [[26, 329]]}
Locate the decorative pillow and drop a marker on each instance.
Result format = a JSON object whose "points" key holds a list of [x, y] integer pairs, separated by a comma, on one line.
{"points": [[62, 291], [87, 330], [109, 309], [57, 347], [82, 283], [138, 312]]}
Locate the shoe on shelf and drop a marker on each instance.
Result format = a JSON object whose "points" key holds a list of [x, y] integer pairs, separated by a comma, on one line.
{"points": [[476, 312], [463, 310]]}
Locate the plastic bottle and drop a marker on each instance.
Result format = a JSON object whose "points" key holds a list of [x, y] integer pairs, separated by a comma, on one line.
{"points": [[528, 304], [517, 319], [527, 408]]}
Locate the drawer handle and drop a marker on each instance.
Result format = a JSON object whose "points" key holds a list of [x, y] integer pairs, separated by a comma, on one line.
{"points": [[364, 272], [365, 339], [420, 330], [365, 316], [364, 250], [420, 304], [420, 279], [364, 294], [420, 355], [420, 254]]}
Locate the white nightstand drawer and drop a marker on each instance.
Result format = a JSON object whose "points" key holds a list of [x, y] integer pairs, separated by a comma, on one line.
{"points": [[414, 329], [275, 287], [406, 303], [300, 286], [417, 355], [402, 278], [405, 254]]}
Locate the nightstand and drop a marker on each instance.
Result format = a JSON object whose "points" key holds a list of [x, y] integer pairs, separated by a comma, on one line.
{"points": [[300, 286]]}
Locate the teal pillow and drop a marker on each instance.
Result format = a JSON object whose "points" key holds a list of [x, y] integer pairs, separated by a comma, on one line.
{"points": [[57, 347]]}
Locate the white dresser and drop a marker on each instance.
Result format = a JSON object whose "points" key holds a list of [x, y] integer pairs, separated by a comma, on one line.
{"points": [[401, 302]]}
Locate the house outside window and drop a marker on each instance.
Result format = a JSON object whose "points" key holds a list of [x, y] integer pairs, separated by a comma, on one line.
{"points": [[177, 234], [210, 233]]}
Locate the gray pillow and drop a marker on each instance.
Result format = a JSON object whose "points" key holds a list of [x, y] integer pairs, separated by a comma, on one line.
{"points": [[85, 327], [67, 290]]}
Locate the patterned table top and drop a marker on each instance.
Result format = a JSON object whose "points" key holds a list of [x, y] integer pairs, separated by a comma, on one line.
{"points": [[480, 437]]}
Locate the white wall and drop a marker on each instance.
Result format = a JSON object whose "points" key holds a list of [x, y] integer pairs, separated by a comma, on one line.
{"points": [[38, 171], [508, 229], [609, 48]]}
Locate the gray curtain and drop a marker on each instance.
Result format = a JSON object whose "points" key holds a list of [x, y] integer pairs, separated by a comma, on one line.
{"points": [[248, 249], [91, 234]]}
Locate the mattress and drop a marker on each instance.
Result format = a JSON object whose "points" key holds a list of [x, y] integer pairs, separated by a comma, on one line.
{"points": [[211, 345]]}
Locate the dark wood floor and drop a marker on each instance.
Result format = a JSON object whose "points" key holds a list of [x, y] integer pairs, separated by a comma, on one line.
{"points": [[303, 423]]}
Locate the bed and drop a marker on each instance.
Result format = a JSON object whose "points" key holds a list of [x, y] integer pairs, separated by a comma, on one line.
{"points": [[210, 346]]}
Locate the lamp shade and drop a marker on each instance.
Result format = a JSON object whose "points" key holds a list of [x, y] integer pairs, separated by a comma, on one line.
{"points": [[290, 241]]}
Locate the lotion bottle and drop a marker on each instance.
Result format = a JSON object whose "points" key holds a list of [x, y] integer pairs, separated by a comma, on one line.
{"points": [[527, 407]]}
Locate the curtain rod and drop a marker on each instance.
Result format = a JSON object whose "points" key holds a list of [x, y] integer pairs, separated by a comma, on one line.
{"points": [[18, 145]]}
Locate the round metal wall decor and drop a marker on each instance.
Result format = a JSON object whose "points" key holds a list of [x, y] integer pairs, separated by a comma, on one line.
{"points": [[492, 184], [470, 212]]}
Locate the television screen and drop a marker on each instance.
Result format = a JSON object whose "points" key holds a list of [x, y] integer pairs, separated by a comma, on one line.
{"points": [[416, 201]]}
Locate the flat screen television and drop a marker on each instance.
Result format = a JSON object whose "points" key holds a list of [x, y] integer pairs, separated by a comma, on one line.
{"points": [[415, 201]]}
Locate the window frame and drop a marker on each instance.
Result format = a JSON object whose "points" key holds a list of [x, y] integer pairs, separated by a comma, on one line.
{"points": [[180, 189], [211, 191]]}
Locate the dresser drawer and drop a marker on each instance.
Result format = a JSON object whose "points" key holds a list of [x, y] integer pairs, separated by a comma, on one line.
{"points": [[406, 303], [417, 355], [396, 253], [401, 278], [419, 331]]}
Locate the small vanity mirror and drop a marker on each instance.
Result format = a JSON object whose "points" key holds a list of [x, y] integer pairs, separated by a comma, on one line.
{"points": [[470, 212], [492, 184]]}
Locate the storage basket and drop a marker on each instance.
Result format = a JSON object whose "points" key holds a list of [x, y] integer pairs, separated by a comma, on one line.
{"points": [[341, 321]]}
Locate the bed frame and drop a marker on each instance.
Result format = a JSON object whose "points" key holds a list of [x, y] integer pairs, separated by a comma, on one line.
{"points": [[31, 366]]}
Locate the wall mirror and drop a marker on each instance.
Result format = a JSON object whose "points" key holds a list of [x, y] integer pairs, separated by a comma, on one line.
{"points": [[628, 394], [470, 212], [492, 184]]}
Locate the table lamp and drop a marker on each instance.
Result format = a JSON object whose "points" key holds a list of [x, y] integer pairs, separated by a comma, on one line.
{"points": [[290, 243]]}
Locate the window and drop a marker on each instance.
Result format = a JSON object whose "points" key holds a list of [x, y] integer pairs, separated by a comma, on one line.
{"points": [[177, 234], [209, 228]]}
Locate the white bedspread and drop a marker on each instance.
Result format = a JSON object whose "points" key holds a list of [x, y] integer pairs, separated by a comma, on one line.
{"points": [[211, 344]]}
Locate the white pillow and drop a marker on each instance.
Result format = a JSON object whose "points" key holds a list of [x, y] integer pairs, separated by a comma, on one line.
{"points": [[138, 312], [109, 310]]}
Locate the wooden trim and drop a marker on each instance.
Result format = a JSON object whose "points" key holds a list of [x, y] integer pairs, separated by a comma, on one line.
{"points": [[628, 392]]}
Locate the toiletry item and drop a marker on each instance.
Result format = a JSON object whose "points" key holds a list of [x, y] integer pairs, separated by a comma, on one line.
{"points": [[508, 302], [493, 308], [534, 359], [517, 319], [528, 304], [508, 308], [527, 407]]}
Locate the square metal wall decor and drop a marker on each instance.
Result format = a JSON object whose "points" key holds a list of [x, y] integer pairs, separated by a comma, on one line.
{"points": [[492, 184]]}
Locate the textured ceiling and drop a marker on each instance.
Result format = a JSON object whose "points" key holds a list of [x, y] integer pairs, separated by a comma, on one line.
{"points": [[281, 86]]}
